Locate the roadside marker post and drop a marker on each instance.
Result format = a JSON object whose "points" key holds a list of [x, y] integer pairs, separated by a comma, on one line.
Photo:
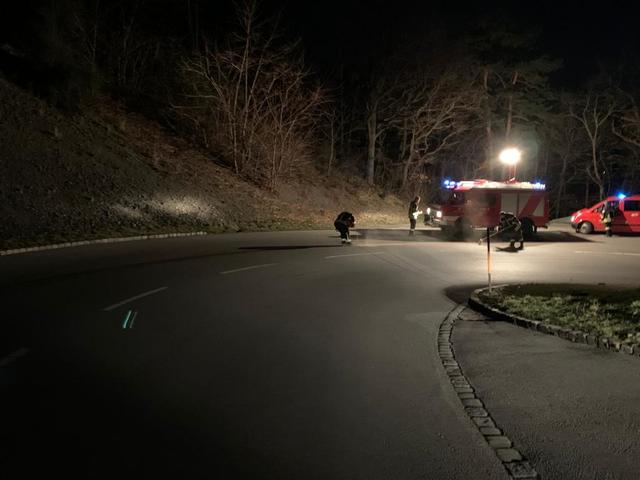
{"points": [[489, 256]]}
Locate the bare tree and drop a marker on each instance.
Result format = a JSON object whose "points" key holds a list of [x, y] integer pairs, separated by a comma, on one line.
{"points": [[627, 125], [597, 110], [435, 115], [128, 51], [193, 22], [86, 26], [252, 101], [563, 135], [381, 110], [488, 117], [331, 130]]}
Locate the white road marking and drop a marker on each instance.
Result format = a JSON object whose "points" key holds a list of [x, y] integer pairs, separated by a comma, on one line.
{"points": [[9, 359], [124, 302], [610, 253], [353, 255], [248, 268]]}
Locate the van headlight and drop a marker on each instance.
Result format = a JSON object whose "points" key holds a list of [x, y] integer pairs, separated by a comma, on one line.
{"points": [[573, 217]]}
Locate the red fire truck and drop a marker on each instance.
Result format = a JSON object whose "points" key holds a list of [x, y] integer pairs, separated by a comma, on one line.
{"points": [[478, 203]]}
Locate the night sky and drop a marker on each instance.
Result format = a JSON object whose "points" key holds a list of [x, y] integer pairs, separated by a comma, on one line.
{"points": [[357, 33]]}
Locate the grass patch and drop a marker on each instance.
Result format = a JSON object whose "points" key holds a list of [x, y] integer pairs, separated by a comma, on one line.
{"points": [[604, 311]]}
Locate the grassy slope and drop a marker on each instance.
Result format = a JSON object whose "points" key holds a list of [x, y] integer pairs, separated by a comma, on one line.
{"points": [[113, 173], [605, 311]]}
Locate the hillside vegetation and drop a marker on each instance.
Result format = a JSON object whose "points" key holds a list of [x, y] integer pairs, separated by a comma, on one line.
{"points": [[110, 172]]}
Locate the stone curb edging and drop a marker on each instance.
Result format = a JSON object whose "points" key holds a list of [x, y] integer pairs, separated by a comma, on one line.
{"points": [[575, 336], [56, 246], [516, 465]]}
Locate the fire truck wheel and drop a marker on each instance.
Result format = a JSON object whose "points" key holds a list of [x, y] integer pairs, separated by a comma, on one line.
{"points": [[528, 228], [446, 231], [586, 228]]}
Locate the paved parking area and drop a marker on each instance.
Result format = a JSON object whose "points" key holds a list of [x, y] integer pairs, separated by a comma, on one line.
{"points": [[572, 409]]}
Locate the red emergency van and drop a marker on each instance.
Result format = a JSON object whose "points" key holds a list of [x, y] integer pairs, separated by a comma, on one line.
{"points": [[478, 203], [625, 220]]}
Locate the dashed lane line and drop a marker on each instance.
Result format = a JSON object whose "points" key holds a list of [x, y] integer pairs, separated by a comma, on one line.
{"points": [[352, 255], [128, 300], [251, 267], [627, 254]]}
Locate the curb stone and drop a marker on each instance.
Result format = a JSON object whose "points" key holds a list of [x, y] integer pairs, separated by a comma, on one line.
{"points": [[516, 465], [575, 336], [56, 246]]}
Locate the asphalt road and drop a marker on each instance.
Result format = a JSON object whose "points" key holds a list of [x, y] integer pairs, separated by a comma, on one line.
{"points": [[273, 355], [573, 409]]}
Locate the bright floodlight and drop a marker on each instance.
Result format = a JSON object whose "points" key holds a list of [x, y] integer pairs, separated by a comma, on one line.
{"points": [[510, 156]]}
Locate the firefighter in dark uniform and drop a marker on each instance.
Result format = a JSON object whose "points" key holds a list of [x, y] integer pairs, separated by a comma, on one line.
{"points": [[511, 226], [413, 214], [343, 223], [608, 212]]}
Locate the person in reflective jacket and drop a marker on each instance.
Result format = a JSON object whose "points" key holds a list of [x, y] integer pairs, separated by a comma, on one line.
{"points": [[511, 226], [608, 212], [343, 223], [413, 214]]}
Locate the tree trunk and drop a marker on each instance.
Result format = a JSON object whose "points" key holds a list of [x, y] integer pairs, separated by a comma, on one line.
{"points": [[372, 127], [546, 164], [596, 170], [407, 164], [403, 145], [488, 126], [507, 131], [465, 169], [586, 192], [561, 185], [332, 147]]}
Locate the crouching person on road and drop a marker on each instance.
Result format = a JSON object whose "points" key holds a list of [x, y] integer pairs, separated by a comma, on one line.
{"points": [[343, 223], [511, 226]]}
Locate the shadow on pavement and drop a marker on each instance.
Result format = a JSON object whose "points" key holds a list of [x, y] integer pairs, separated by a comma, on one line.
{"points": [[554, 236], [403, 235], [434, 235], [460, 293], [508, 249], [77, 406], [288, 247]]}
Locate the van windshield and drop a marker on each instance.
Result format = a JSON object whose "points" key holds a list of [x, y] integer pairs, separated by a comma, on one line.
{"points": [[600, 208]]}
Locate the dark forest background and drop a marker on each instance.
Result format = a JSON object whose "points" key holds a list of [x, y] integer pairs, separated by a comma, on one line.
{"points": [[400, 94]]}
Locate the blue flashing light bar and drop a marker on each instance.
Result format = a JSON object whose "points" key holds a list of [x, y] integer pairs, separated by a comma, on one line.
{"points": [[452, 184], [621, 196]]}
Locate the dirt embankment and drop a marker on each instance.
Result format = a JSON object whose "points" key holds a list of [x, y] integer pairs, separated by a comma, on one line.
{"points": [[112, 173]]}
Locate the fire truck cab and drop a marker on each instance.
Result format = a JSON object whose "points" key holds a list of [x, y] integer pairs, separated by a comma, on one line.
{"points": [[478, 203]]}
